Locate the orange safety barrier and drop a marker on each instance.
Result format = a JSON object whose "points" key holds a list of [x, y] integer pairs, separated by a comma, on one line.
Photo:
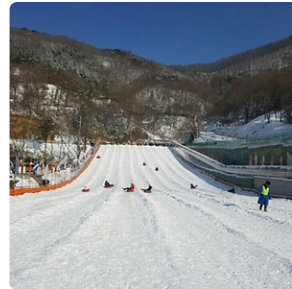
{"points": [[21, 191]]}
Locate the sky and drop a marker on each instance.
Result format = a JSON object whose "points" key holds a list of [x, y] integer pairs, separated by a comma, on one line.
{"points": [[170, 33], [174, 237]]}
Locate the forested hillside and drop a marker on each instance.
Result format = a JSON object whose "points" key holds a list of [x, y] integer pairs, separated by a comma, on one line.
{"points": [[61, 86]]}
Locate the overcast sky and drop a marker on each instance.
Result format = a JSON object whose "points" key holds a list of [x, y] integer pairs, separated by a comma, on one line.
{"points": [[168, 33]]}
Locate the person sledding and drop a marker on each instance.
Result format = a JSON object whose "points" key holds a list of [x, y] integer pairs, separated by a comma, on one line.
{"points": [[156, 169], [130, 189], [264, 193], [144, 164], [148, 190], [85, 189], [107, 184], [193, 186]]}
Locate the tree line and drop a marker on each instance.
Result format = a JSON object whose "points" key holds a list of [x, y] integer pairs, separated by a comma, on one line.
{"points": [[255, 95], [132, 94]]}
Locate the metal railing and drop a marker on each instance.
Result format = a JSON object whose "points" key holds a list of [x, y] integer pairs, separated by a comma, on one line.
{"points": [[267, 171], [281, 137]]}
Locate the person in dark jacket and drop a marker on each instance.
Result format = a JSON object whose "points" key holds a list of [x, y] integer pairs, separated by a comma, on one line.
{"points": [[193, 187], [149, 188], [107, 184], [264, 193]]}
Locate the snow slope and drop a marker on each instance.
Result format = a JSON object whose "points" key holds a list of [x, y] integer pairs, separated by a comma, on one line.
{"points": [[174, 237], [256, 128]]}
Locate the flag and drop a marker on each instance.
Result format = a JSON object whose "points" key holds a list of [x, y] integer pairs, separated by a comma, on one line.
{"points": [[16, 168], [46, 171], [30, 164], [11, 165], [36, 166]]}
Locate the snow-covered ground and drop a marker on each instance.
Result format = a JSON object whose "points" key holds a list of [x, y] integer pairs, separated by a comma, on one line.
{"points": [[175, 237], [63, 153], [258, 127]]}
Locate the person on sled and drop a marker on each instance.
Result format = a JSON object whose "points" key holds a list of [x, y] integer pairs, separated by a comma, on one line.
{"points": [[193, 187], [148, 189], [107, 184], [264, 193], [131, 188]]}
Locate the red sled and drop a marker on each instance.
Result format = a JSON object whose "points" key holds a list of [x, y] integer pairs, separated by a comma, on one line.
{"points": [[98, 157], [147, 191], [106, 187], [85, 190], [130, 190], [193, 187]]}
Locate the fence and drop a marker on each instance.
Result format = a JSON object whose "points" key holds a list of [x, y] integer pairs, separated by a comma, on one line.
{"points": [[247, 177], [75, 174], [275, 138], [270, 155]]}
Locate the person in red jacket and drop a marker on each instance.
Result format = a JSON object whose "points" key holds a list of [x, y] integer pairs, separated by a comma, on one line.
{"points": [[131, 188]]}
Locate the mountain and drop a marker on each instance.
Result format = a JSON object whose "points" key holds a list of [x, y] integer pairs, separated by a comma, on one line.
{"points": [[59, 86], [273, 56]]}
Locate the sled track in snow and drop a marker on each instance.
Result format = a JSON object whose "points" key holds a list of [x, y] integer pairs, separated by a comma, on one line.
{"points": [[174, 237]]}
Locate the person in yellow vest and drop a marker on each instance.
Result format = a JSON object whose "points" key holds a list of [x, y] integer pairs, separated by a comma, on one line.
{"points": [[264, 193]]}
